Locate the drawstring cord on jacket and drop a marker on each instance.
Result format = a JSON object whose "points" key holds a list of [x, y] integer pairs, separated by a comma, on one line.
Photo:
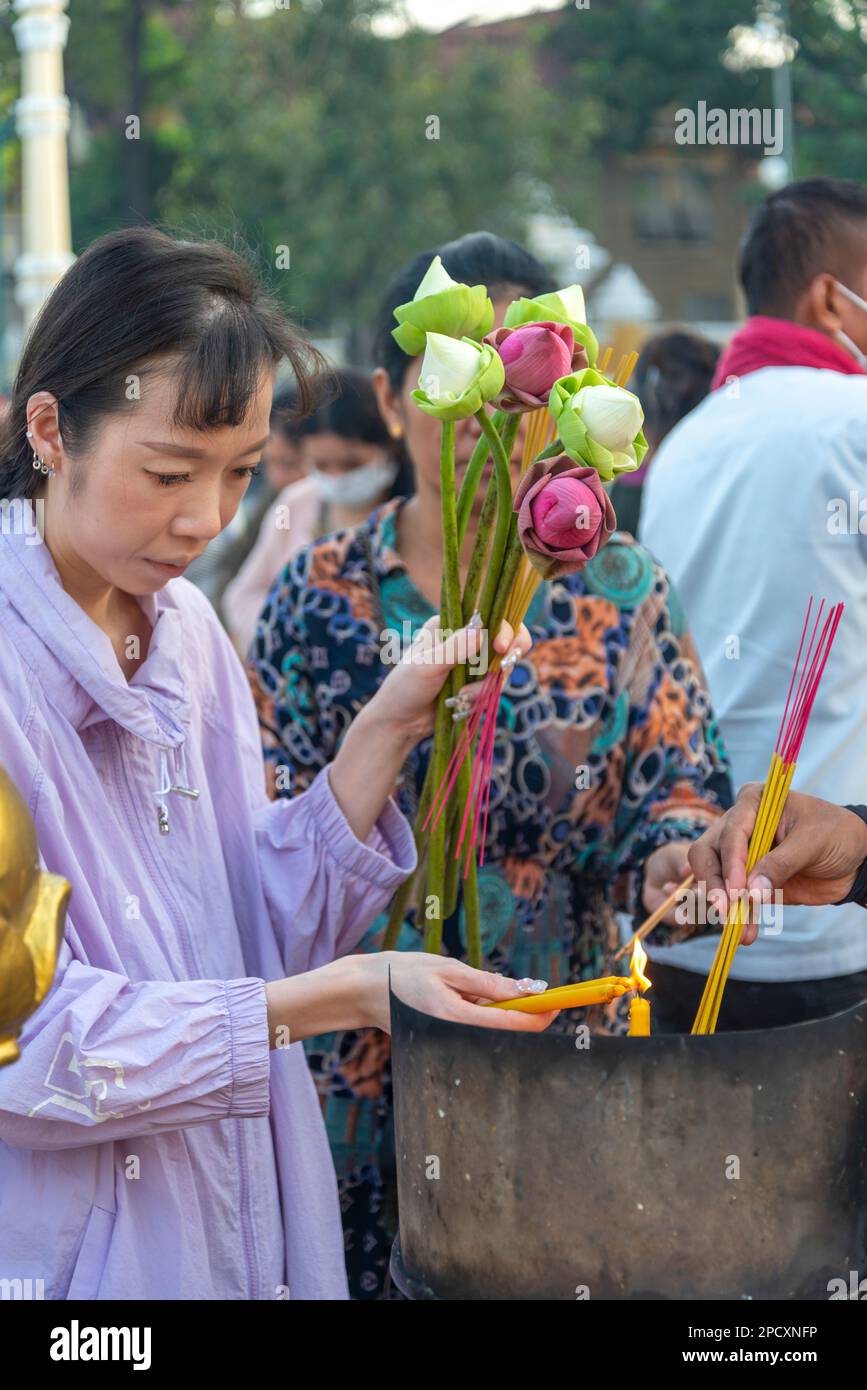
{"points": [[166, 787]]}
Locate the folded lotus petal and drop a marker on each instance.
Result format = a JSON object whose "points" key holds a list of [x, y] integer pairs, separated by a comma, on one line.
{"points": [[535, 355], [613, 414], [442, 305], [449, 368], [563, 306], [564, 515], [447, 388]]}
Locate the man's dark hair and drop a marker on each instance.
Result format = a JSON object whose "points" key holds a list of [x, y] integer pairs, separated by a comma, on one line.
{"points": [[807, 227]]}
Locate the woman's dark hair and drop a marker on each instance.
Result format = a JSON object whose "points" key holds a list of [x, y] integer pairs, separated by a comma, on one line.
{"points": [[673, 376], [348, 408], [479, 258], [807, 227], [286, 416], [134, 298]]}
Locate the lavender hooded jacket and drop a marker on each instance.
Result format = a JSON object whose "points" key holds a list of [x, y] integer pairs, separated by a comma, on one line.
{"points": [[151, 1145]]}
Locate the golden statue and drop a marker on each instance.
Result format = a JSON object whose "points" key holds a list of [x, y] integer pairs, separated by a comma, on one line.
{"points": [[32, 913]]}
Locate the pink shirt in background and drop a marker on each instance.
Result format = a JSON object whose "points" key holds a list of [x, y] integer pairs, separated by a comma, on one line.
{"points": [[281, 535]]}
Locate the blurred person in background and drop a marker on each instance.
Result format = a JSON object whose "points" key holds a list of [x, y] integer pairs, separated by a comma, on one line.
{"points": [[749, 505], [352, 463], [281, 465], [609, 687], [673, 375]]}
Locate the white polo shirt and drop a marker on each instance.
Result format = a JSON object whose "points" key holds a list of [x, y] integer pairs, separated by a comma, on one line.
{"points": [[752, 504]]}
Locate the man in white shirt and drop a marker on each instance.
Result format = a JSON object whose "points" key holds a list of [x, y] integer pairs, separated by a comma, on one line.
{"points": [[758, 500]]}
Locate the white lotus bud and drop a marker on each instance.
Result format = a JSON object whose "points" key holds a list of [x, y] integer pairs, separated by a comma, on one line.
{"points": [[449, 368], [436, 278], [613, 416]]}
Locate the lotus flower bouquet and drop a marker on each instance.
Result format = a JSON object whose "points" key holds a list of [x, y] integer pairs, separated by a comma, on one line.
{"points": [[583, 429]]}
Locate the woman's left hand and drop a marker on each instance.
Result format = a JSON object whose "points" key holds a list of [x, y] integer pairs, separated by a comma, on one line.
{"points": [[407, 697]]}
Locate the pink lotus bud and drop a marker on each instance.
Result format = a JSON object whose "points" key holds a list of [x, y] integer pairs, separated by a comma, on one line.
{"points": [[535, 355], [564, 515]]}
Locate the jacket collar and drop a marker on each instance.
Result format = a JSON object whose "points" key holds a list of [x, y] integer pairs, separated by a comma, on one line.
{"points": [[154, 705]]}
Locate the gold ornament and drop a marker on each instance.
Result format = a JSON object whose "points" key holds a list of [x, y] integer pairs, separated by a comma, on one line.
{"points": [[33, 908]]}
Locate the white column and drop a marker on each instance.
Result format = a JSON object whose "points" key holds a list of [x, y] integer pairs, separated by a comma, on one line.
{"points": [[42, 117]]}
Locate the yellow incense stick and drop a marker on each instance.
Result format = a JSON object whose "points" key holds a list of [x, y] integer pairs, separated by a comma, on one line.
{"points": [[770, 812]]}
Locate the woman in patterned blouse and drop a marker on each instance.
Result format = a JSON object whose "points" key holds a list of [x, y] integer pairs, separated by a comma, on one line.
{"points": [[608, 760]]}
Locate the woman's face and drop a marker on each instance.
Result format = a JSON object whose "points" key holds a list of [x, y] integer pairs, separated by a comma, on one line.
{"points": [[148, 497], [422, 433], [284, 461], [332, 454]]}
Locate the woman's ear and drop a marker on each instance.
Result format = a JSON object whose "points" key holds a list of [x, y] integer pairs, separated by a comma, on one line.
{"points": [[389, 402], [44, 427]]}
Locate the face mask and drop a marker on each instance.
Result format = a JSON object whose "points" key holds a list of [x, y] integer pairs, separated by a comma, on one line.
{"points": [[843, 338], [360, 485]]}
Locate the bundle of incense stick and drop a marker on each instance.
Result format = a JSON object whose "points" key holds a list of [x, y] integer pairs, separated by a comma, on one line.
{"points": [[776, 789], [517, 585]]}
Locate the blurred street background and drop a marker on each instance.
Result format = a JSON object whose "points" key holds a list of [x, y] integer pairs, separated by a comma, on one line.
{"points": [[336, 138]]}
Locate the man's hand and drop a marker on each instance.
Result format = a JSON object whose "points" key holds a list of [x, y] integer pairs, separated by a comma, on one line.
{"points": [[664, 869], [818, 850]]}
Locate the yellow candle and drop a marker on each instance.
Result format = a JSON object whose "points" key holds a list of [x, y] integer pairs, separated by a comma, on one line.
{"points": [[639, 1018], [566, 996]]}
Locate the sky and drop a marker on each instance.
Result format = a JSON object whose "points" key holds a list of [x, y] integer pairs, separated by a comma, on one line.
{"points": [[440, 14]]}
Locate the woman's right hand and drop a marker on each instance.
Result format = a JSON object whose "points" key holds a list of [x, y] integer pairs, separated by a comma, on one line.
{"points": [[440, 986]]}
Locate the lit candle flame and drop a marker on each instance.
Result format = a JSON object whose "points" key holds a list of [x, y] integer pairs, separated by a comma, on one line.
{"points": [[638, 978]]}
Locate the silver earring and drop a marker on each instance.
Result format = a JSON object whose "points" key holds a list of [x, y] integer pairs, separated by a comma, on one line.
{"points": [[41, 466]]}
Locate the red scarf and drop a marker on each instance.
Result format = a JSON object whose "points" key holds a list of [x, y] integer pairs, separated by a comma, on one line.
{"points": [[766, 342]]}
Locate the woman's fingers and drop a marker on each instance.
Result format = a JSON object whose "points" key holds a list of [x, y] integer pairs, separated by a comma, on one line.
{"points": [[507, 1020], [510, 644]]}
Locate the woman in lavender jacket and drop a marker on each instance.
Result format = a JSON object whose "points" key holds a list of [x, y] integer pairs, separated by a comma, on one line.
{"points": [[160, 1136]]}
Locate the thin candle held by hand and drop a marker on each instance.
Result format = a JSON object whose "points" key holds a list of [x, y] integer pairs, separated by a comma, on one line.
{"points": [[576, 996]]}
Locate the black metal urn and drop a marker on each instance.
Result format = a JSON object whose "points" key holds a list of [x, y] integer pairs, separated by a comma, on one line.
{"points": [[671, 1167]]}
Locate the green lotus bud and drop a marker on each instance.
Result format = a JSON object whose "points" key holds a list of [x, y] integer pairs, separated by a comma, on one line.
{"points": [[442, 305], [562, 306], [458, 377], [599, 423]]}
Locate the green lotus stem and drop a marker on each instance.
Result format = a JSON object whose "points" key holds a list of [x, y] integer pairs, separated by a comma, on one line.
{"points": [[451, 618], [451, 586], [400, 901], [501, 450], [470, 484], [480, 548], [514, 551], [397, 914], [452, 864], [458, 801], [435, 887]]}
